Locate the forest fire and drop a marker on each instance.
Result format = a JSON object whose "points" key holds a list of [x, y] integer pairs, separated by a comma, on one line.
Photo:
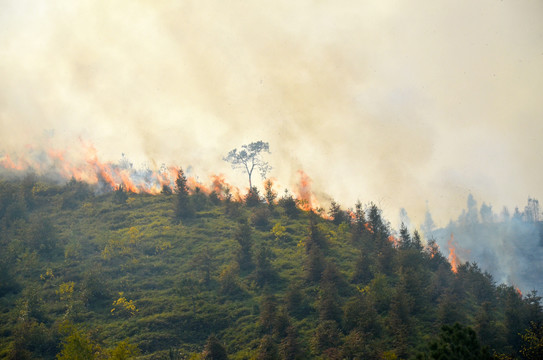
{"points": [[394, 241], [304, 195], [7, 163], [84, 164], [453, 258], [89, 168]]}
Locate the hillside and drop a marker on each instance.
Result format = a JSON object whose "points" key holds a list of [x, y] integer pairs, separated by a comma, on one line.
{"points": [[171, 273]]}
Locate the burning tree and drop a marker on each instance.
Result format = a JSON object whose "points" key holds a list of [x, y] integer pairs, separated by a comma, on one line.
{"points": [[249, 158]]}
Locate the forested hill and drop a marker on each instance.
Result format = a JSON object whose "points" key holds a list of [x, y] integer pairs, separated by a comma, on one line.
{"points": [[118, 275]]}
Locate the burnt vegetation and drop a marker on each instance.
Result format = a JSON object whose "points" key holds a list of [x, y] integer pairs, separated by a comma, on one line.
{"points": [[187, 274]]}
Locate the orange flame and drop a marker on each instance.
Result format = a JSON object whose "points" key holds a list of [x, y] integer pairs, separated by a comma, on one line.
{"points": [[127, 183], [85, 164], [352, 215], [518, 291], [7, 163], [453, 258], [304, 195], [394, 241]]}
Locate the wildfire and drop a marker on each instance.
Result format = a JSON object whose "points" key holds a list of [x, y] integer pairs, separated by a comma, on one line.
{"points": [[518, 291], [89, 168], [394, 241], [453, 258], [83, 163], [304, 195], [219, 185], [9, 164]]}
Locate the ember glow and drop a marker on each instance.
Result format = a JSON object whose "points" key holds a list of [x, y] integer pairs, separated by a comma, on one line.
{"points": [[453, 258]]}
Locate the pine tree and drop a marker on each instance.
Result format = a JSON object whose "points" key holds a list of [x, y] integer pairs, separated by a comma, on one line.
{"points": [[268, 313], [184, 208], [214, 350], [270, 195], [290, 347], [264, 273], [338, 216], [267, 350], [359, 227], [314, 264], [243, 236]]}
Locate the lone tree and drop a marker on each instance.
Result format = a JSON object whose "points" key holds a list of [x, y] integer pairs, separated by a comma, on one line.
{"points": [[249, 158]]}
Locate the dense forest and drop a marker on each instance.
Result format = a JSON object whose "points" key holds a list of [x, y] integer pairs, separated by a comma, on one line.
{"points": [[191, 274]]}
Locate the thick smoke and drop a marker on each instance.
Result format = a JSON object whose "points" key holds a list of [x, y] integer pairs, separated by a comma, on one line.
{"points": [[395, 103]]}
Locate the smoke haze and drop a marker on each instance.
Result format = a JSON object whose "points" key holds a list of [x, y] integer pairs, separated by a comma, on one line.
{"points": [[394, 102], [509, 246]]}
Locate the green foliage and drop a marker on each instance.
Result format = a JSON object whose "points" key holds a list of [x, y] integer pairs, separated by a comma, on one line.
{"points": [[33, 340], [120, 195], [326, 336], [12, 203], [287, 283], [270, 195], [252, 198], [338, 216], [75, 192], [260, 218], [94, 287], [42, 235], [244, 238], [229, 280], [204, 262], [279, 232], [124, 307], [78, 346], [290, 347], [124, 351], [214, 350], [264, 272], [289, 206], [184, 207], [267, 350], [532, 347], [456, 342], [8, 281]]}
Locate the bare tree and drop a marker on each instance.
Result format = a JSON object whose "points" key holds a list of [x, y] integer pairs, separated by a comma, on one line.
{"points": [[249, 158]]}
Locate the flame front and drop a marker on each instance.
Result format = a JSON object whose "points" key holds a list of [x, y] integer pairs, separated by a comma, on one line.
{"points": [[89, 168], [453, 258], [83, 163]]}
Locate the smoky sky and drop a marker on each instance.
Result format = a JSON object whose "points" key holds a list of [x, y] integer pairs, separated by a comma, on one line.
{"points": [[404, 103]]}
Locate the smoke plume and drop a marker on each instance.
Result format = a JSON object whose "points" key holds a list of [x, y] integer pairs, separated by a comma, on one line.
{"points": [[393, 102]]}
